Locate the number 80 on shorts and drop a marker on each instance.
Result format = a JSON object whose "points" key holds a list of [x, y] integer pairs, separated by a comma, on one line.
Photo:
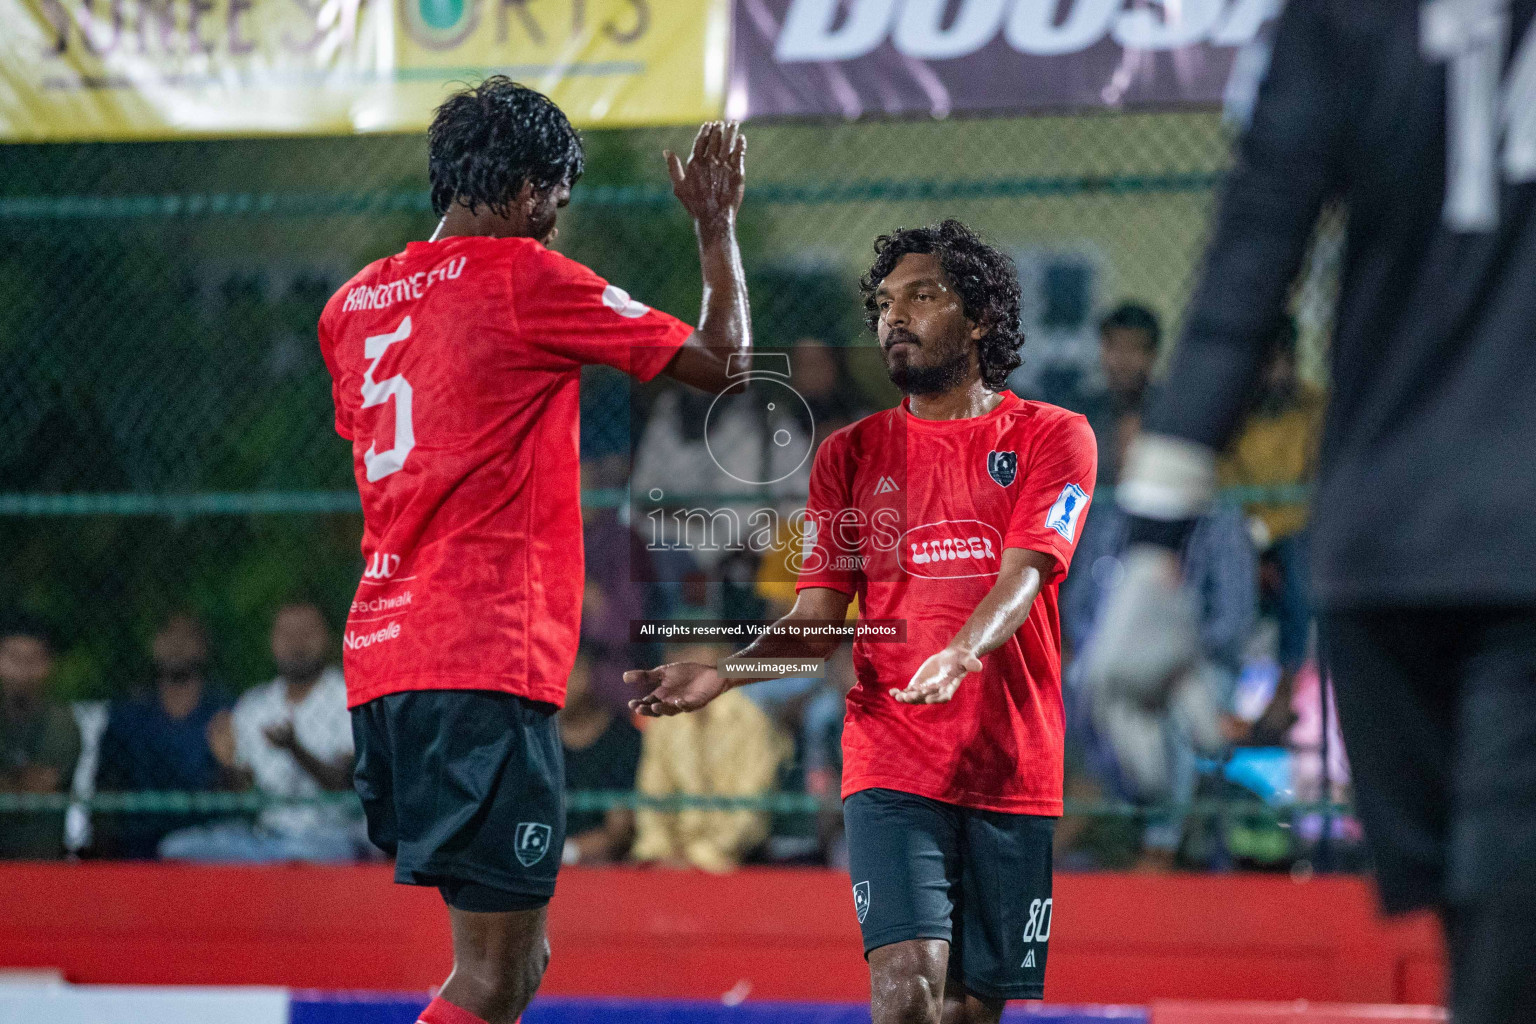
{"points": [[1038, 928]]}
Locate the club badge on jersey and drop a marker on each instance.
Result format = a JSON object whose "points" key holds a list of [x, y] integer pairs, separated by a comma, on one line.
{"points": [[1003, 467]]}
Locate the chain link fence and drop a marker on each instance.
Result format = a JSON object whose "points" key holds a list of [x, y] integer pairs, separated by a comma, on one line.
{"points": [[166, 416], [166, 413]]}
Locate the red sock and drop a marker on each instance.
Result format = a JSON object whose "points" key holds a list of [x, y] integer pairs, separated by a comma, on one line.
{"points": [[441, 1011]]}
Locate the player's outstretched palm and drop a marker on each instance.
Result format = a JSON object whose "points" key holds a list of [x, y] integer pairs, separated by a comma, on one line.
{"points": [[674, 689], [937, 679], [711, 185]]}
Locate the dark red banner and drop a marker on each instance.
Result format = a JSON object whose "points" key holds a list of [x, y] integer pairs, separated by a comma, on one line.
{"points": [[849, 58]]}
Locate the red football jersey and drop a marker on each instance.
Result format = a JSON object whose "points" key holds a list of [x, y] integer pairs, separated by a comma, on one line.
{"points": [[912, 516], [456, 367]]}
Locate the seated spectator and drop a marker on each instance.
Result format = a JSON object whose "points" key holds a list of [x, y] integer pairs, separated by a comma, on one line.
{"points": [[1129, 338], [159, 741], [39, 742], [728, 748], [292, 739], [602, 752], [1277, 448]]}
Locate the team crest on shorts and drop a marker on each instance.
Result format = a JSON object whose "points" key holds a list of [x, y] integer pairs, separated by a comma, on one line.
{"points": [[531, 842], [861, 900], [1003, 466]]}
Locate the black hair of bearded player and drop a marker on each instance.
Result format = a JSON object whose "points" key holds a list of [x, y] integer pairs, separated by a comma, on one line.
{"points": [[983, 275]]}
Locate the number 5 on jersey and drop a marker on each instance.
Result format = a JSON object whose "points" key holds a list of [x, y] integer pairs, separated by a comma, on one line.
{"points": [[377, 392]]}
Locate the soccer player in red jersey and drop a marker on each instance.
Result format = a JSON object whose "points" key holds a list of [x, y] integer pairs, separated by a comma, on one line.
{"points": [[456, 367], [957, 512]]}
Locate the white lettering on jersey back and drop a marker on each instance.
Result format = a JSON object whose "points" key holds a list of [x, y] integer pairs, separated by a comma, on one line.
{"points": [[406, 289]]}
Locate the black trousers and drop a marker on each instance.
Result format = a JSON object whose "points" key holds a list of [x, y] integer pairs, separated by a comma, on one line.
{"points": [[1438, 711]]}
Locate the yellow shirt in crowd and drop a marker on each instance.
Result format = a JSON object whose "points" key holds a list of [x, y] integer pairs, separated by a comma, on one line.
{"points": [[727, 748], [1275, 450]]}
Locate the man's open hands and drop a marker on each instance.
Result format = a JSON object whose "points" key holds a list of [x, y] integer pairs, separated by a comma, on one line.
{"points": [[937, 679], [674, 689], [713, 182]]}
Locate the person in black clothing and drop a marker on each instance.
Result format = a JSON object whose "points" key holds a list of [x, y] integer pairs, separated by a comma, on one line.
{"points": [[602, 752], [159, 741], [1421, 119]]}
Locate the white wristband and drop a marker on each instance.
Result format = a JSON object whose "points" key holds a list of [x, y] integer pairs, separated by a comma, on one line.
{"points": [[1167, 478]]}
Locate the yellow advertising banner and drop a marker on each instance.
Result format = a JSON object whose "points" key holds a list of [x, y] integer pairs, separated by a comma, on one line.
{"points": [[154, 69]]}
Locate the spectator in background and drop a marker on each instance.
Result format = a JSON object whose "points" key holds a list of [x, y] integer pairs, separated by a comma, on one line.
{"points": [[728, 748], [39, 742], [1277, 448], [602, 752], [1221, 572], [292, 739], [1129, 338], [673, 456], [159, 741], [820, 375]]}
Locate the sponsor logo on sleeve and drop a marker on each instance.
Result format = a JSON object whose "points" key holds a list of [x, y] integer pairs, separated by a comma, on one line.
{"points": [[1068, 509], [531, 842], [618, 300]]}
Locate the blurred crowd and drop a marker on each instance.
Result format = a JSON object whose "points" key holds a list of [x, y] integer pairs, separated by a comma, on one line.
{"points": [[289, 738]]}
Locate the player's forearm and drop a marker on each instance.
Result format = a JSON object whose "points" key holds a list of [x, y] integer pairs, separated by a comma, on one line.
{"points": [[780, 642], [725, 324], [787, 638], [1000, 613]]}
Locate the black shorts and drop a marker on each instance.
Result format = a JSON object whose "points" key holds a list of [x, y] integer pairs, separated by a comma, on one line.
{"points": [[979, 880], [1438, 711], [465, 789]]}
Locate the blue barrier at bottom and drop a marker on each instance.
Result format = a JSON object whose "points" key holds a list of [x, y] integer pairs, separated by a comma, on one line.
{"points": [[369, 1008]]}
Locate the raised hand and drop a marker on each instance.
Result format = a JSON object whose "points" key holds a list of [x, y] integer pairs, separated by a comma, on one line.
{"points": [[711, 185], [674, 689], [937, 679]]}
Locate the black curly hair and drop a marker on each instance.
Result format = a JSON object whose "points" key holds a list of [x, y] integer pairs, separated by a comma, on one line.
{"points": [[489, 139], [984, 276]]}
